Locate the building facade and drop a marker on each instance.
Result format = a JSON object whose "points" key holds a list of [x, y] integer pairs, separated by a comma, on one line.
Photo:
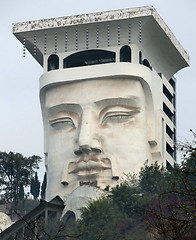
{"points": [[107, 95]]}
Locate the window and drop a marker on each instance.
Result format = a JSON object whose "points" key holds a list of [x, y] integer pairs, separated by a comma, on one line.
{"points": [[125, 54], [168, 112], [169, 132], [147, 64], [174, 101], [173, 83], [168, 166], [69, 219], [89, 57], [160, 75], [170, 150], [167, 93], [53, 62], [140, 57]]}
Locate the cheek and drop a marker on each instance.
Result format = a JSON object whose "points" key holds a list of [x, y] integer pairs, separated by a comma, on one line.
{"points": [[129, 148], [60, 145], [124, 138], [60, 153]]}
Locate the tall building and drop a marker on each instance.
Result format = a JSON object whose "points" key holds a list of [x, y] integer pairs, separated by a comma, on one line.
{"points": [[107, 95]]}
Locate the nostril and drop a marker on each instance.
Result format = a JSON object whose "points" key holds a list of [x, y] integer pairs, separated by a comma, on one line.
{"points": [[86, 150], [78, 152], [96, 150]]}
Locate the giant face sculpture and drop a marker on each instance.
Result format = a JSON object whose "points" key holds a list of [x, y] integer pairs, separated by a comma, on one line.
{"points": [[96, 133]]}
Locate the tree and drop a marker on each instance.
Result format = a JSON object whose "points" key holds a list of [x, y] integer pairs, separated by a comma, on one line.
{"points": [[43, 187], [15, 171], [116, 216], [35, 186], [160, 205], [21, 192], [104, 216], [172, 213], [152, 179]]}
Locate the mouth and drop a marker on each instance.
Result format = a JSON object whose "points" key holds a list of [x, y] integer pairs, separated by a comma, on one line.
{"points": [[91, 167]]}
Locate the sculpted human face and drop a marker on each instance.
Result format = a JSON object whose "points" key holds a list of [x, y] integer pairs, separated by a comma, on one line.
{"points": [[96, 133]]}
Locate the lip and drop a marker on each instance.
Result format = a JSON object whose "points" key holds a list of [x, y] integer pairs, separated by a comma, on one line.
{"points": [[90, 167]]}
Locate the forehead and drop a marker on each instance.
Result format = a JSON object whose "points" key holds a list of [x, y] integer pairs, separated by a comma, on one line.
{"points": [[90, 91]]}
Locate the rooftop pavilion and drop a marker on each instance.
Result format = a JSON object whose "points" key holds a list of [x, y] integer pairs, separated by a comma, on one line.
{"points": [[141, 27]]}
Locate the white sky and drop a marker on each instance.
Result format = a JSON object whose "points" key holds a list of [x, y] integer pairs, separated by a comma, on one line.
{"points": [[20, 116]]}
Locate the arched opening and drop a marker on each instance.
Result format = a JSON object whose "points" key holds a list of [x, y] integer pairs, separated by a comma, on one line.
{"points": [[69, 219], [125, 54], [89, 57], [140, 57], [53, 62], [146, 63]]}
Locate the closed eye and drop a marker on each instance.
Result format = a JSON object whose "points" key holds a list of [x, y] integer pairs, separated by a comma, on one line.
{"points": [[119, 116], [63, 122]]}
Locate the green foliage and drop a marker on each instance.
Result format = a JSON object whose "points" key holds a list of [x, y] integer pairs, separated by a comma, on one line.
{"points": [[102, 215], [43, 187], [189, 172], [126, 197], [152, 179], [21, 192], [159, 204], [35, 186], [172, 213], [15, 171]]}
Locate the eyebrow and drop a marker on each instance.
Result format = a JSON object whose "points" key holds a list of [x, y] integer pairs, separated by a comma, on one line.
{"points": [[69, 107], [132, 101]]}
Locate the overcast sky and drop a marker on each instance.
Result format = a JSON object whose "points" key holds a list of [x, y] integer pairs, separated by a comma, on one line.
{"points": [[20, 122]]}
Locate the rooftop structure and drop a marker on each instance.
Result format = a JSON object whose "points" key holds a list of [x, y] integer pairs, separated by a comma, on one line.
{"points": [[141, 25]]}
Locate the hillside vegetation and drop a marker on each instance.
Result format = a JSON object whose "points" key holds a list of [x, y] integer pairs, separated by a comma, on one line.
{"points": [[157, 204]]}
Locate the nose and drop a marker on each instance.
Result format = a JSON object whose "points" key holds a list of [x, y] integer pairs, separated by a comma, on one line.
{"points": [[87, 141]]}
